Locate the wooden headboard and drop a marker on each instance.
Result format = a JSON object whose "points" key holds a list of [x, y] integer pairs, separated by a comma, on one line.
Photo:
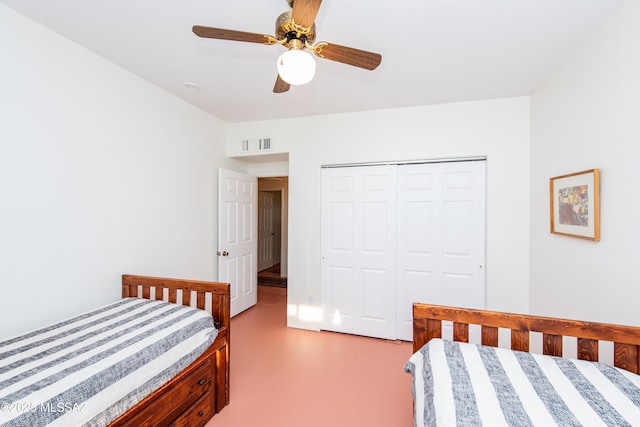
{"points": [[427, 324], [154, 288]]}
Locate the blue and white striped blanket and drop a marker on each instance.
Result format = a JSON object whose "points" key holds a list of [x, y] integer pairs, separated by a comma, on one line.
{"points": [[460, 384], [90, 369]]}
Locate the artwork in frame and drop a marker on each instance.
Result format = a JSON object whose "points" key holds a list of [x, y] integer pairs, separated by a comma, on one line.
{"points": [[575, 204]]}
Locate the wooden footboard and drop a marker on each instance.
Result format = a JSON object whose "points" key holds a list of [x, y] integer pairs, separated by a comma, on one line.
{"points": [[202, 389], [427, 324]]}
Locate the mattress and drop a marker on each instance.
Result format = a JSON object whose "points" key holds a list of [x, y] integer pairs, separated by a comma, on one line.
{"points": [[91, 368], [461, 384]]}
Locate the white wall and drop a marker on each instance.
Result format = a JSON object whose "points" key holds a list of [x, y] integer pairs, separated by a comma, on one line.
{"points": [[587, 115], [498, 129], [101, 174]]}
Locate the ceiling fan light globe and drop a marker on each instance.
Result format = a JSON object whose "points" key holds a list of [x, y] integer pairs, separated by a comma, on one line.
{"points": [[296, 67]]}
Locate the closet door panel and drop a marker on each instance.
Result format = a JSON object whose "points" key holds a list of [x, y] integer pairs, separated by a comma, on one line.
{"points": [[360, 238], [440, 248]]}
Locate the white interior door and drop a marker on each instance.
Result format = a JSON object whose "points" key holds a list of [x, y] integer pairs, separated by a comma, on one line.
{"points": [[266, 232], [358, 250], [441, 237], [237, 237]]}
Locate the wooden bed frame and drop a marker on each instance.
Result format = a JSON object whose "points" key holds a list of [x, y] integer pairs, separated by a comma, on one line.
{"points": [[201, 390], [427, 324]]}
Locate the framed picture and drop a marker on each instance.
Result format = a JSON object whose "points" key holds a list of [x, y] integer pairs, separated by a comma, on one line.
{"points": [[575, 204]]}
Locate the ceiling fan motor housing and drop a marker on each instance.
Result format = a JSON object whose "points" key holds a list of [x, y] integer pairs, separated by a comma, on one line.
{"points": [[289, 30]]}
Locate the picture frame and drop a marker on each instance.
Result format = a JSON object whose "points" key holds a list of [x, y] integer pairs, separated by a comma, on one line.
{"points": [[575, 204]]}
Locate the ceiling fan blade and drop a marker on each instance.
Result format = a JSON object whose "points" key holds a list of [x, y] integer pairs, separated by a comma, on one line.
{"points": [[348, 55], [281, 86], [223, 34], [305, 11]]}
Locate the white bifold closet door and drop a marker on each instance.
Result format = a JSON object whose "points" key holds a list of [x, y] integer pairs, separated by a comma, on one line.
{"points": [[395, 234], [358, 271]]}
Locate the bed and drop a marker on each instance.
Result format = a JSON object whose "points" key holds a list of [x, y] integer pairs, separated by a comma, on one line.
{"points": [[458, 383], [157, 357]]}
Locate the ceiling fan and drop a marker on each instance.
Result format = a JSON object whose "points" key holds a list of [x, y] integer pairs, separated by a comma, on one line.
{"points": [[296, 30]]}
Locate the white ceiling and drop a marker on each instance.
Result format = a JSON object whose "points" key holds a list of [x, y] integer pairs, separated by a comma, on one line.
{"points": [[433, 51]]}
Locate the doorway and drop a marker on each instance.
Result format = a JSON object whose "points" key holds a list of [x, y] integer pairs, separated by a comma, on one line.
{"points": [[272, 231]]}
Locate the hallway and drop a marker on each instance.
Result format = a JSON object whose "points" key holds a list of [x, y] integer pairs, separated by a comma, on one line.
{"points": [[272, 277], [285, 377]]}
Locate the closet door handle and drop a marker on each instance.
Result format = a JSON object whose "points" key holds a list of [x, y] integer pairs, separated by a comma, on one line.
{"points": [[223, 253]]}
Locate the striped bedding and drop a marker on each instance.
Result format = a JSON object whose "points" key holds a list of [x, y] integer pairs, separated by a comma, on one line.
{"points": [[461, 384], [90, 369]]}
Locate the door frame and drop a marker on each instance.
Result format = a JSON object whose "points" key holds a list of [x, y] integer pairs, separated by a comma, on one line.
{"points": [[280, 182]]}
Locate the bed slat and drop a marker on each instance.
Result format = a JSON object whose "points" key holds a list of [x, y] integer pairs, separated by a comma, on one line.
{"points": [[186, 298], [489, 336], [520, 340], [434, 328], [200, 300], [126, 291], [588, 349], [625, 356], [552, 344], [461, 332]]}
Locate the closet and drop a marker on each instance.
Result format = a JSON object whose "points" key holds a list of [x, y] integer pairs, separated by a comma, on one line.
{"points": [[392, 234]]}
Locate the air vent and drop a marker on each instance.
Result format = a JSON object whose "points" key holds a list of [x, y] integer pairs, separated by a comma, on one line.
{"points": [[261, 144]]}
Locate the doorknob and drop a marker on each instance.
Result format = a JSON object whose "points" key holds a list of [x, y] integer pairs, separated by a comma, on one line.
{"points": [[223, 253]]}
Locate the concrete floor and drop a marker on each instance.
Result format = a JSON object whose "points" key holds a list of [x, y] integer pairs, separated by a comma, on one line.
{"points": [[285, 377]]}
